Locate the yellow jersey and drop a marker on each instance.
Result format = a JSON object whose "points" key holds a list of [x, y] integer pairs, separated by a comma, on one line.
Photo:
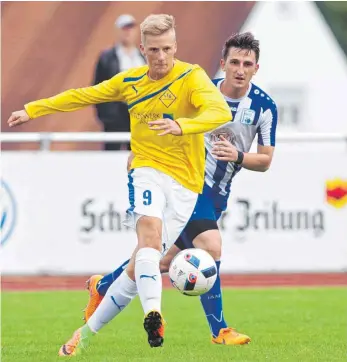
{"points": [[185, 94]]}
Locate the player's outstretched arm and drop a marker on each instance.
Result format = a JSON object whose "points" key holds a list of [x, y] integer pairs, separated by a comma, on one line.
{"points": [[17, 118], [213, 111], [71, 100]]}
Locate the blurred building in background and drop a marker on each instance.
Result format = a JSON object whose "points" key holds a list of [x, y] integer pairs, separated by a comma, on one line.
{"points": [[302, 65], [56, 44]]}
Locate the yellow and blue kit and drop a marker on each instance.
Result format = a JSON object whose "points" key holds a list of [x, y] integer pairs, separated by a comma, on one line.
{"points": [[185, 94]]}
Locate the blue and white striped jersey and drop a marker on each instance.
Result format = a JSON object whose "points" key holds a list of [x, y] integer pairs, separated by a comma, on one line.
{"points": [[253, 114]]}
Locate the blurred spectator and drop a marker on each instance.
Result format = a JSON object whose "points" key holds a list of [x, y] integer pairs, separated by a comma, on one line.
{"points": [[123, 55]]}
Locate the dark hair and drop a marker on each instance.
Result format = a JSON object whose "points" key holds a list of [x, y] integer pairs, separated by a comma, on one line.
{"points": [[244, 41]]}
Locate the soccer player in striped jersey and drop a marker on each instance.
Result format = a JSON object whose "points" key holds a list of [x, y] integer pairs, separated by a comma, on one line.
{"points": [[227, 151], [171, 105]]}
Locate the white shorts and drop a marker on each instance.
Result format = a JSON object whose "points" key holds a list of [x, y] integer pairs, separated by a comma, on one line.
{"points": [[153, 193]]}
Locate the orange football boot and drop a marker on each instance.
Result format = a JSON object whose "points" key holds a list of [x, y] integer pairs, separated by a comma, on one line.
{"points": [[73, 346], [229, 336], [94, 297]]}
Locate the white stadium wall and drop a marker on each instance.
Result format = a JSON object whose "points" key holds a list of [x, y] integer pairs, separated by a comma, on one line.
{"points": [[61, 213], [302, 66]]}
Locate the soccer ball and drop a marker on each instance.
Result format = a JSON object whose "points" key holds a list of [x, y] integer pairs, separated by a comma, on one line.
{"points": [[193, 272]]}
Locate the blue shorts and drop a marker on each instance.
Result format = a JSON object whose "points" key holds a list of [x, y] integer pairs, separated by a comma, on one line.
{"points": [[209, 205], [207, 211]]}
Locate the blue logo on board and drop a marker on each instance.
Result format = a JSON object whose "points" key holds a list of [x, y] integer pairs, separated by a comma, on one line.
{"points": [[7, 212]]}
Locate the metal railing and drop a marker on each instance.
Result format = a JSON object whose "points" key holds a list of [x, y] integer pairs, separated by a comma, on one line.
{"points": [[46, 138]]}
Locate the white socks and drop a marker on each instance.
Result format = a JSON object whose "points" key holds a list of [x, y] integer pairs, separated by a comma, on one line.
{"points": [[148, 285], [148, 278], [118, 296]]}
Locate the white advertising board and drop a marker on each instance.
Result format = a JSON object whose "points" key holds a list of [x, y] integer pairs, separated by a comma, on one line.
{"points": [[61, 213]]}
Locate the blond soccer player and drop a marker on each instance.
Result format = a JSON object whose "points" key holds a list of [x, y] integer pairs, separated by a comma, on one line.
{"points": [[171, 105]]}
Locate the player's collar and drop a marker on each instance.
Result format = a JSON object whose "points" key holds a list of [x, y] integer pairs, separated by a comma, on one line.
{"points": [[234, 99], [166, 76]]}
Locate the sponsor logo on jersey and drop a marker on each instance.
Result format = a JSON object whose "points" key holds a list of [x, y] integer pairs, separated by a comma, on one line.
{"points": [[135, 89], [144, 118]]}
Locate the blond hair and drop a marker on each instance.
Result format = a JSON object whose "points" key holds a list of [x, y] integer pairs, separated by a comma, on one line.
{"points": [[156, 24]]}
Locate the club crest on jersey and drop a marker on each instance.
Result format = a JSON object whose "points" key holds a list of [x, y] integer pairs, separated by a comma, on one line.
{"points": [[247, 116], [167, 98], [225, 132]]}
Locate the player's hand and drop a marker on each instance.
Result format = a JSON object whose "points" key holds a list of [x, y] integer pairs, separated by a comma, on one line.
{"points": [[223, 150], [167, 125], [18, 117]]}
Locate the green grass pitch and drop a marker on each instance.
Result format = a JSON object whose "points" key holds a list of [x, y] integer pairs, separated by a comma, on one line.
{"points": [[292, 324]]}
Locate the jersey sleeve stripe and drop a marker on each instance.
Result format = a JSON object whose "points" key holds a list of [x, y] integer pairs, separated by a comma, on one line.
{"points": [[133, 79], [260, 139], [273, 131]]}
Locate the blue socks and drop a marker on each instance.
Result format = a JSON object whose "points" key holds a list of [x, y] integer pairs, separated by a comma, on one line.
{"points": [[212, 304], [107, 280]]}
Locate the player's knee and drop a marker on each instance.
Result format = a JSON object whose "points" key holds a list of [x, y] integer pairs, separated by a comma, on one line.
{"points": [[149, 232], [215, 252], [130, 270], [211, 242]]}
